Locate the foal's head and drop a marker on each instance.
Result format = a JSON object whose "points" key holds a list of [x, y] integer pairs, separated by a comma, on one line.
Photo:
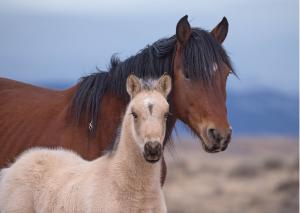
{"points": [[148, 111]]}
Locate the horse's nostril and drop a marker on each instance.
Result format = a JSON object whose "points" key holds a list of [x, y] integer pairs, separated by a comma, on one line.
{"points": [[211, 132], [228, 138], [214, 134]]}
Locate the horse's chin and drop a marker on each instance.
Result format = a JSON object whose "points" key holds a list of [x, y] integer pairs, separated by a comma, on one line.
{"points": [[204, 141], [211, 149]]}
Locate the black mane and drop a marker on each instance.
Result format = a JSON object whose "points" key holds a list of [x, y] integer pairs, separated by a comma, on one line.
{"points": [[201, 53]]}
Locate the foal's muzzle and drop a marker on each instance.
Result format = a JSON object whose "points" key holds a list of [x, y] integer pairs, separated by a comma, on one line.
{"points": [[152, 151]]}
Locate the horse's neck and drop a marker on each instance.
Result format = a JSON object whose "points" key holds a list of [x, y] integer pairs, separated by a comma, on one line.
{"points": [[129, 166]]}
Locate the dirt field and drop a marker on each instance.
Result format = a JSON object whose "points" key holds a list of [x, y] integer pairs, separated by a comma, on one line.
{"points": [[254, 175]]}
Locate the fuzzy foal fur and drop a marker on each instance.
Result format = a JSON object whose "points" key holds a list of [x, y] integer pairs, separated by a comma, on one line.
{"points": [[44, 180]]}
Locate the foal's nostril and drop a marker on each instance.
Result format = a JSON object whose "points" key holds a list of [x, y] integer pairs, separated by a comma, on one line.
{"points": [[153, 148]]}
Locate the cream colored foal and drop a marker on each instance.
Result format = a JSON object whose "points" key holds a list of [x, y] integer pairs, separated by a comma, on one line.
{"points": [[127, 179]]}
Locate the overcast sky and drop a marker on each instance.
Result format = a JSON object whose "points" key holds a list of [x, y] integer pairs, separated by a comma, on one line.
{"points": [[61, 40]]}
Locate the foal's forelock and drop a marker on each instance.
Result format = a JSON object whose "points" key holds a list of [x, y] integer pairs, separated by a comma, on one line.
{"points": [[148, 84]]}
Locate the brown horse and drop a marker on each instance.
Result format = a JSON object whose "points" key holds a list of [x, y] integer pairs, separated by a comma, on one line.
{"points": [[86, 117]]}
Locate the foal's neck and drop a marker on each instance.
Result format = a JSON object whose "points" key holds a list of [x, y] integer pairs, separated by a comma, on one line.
{"points": [[129, 165]]}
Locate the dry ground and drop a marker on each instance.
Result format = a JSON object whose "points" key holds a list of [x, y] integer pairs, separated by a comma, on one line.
{"points": [[254, 175]]}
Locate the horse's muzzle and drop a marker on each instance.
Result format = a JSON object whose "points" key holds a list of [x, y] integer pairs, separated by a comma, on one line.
{"points": [[219, 141]]}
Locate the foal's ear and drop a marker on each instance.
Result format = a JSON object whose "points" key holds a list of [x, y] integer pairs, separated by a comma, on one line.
{"points": [[183, 30], [133, 85], [221, 30], [164, 84]]}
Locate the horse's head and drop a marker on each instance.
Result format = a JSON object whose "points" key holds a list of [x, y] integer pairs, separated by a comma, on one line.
{"points": [[201, 68], [148, 111]]}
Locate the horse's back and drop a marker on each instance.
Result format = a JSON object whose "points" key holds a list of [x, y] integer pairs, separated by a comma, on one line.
{"points": [[16, 96], [30, 116], [12, 91], [6, 83]]}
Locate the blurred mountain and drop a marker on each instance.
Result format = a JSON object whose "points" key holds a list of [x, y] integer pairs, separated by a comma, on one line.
{"points": [[264, 112], [259, 112]]}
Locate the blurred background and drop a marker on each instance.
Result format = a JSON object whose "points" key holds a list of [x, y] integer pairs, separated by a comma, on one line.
{"points": [[52, 43]]}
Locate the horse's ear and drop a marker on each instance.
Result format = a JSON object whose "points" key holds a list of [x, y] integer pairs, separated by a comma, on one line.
{"points": [[183, 30], [164, 84], [133, 85], [221, 30]]}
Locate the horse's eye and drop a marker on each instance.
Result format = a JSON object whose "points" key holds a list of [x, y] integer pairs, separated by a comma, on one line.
{"points": [[134, 115], [168, 114]]}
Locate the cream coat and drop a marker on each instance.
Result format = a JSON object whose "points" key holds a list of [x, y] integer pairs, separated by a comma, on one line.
{"points": [[44, 180]]}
